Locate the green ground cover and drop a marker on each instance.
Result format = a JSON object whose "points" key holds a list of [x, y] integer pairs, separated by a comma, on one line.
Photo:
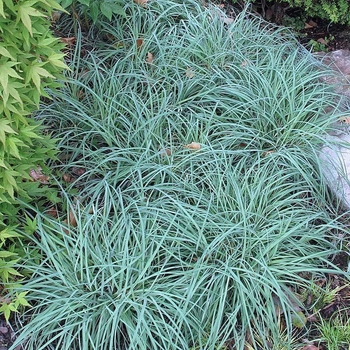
{"points": [[195, 211]]}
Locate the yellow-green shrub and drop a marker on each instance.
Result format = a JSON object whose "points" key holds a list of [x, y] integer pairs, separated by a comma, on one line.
{"points": [[30, 61]]}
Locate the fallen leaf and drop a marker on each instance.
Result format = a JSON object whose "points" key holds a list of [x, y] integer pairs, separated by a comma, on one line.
{"points": [[69, 41], [308, 26], [322, 41], [141, 2], [68, 178], [78, 171], [189, 73], [55, 16], [310, 347], [345, 120], [195, 146], [149, 58], [312, 23], [37, 175], [80, 94], [71, 219], [268, 152], [139, 42], [52, 211], [165, 152]]}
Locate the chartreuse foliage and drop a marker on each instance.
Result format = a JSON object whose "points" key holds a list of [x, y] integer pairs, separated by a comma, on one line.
{"points": [[30, 59], [200, 207]]}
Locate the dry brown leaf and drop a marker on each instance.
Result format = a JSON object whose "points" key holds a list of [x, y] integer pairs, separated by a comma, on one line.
{"points": [[71, 219], [78, 171], [312, 23], [68, 178], [195, 146], [141, 2], [310, 347], [322, 41], [37, 175], [345, 120], [149, 58], [55, 16], [139, 42], [52, 211], [268, 152], [308, 26], [80, 94], [189, 73], [165, 152], [69, 41]]}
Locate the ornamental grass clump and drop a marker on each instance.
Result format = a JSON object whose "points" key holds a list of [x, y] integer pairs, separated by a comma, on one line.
{"points": [[197, 207]]}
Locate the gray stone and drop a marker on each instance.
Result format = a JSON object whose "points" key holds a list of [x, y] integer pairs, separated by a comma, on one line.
{"points": [[335, 166], [335, 155]]}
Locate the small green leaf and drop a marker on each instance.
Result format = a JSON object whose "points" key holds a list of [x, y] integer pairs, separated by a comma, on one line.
{"points": [[8, 232], [118, 10], [66, 3], [6, 309], [5, 128], [2, 163], [5, 254], [24, 13], [5, 72], [299, 319], [4, 52], [21, 300], [35, 72], [94, 11], [12, 144], [85, 2], [106, 9], [12, 90], [57, 60], [2, 13]]}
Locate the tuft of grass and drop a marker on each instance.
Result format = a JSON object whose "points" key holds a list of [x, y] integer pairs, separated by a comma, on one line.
{"points": [[335, 333], [170, 246]]}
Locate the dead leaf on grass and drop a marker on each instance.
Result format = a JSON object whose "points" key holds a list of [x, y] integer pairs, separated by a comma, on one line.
{"points": [[68, 178], [139, 42], [141, 2], [165, 152], [37, 175], [52, 211], [310, 24], [69, 41], [307, 26], [345, 120], [189, 73], [322, 41], [194, 146], [310, 347], [268, 152], [78, 171], [70, 221], [149, 58]]}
